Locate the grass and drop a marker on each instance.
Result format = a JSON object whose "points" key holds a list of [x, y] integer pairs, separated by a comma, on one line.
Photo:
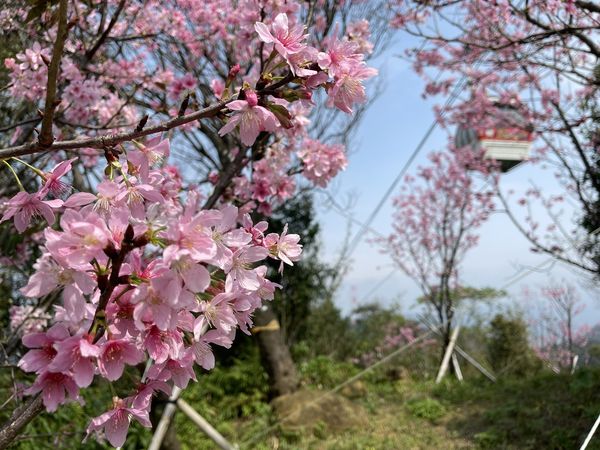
{"points": [[546, 411]]}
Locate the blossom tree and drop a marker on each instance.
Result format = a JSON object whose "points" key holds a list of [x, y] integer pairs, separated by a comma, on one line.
{"points": [[539, 57], [152, 263], [434, 226], [557, 339]]}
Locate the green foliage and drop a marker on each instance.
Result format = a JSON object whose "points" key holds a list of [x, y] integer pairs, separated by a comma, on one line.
{"points": [[426, 408], [326, 333], [508, 347], [326, 373], [546, 410]]}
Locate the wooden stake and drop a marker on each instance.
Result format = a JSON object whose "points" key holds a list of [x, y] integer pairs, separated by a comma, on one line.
{"points": [[165, 420], [447, 355], [590, 434], [204, 426], [456, 366], [464, 354]]}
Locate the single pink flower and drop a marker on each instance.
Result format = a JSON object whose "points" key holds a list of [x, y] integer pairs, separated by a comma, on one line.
{"points": [[78, 355], [203, 354], [181, 370], [217, 312], [339, 57], [115, 354], [162, 345], [115, 422], [239, 267], [148, 155], [251, 118], [52, 182], [145, 391], [285, 247], [56, 388], [24, 206], [285, 39], [42, 348], [348, 88]]}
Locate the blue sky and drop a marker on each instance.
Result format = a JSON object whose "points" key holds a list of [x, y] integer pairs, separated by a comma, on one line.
{"points": [[389, 132]]}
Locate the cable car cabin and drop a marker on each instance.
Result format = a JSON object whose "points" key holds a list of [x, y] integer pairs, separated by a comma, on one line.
{"points": [[508, 142]]}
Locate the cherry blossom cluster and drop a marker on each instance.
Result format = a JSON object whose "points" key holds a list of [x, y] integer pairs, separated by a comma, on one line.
{"points": [[270, 92], [146, 268], [557, 337], [538, 60], [146, 274], [395, 337], [322, 162]]}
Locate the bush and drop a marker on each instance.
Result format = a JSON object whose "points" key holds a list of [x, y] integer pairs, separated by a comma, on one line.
{"points": [[427, 408], [326, 373], [508, 347]]}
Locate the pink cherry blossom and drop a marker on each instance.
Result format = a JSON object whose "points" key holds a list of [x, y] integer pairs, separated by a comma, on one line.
{"points": [[115, 422], [251, 119], [285, 247], [115, 354], [56, 388], [42, 348], [239, 269], [348, 88], [52, 182], [286, 40], [25, 206], [78, 355]]}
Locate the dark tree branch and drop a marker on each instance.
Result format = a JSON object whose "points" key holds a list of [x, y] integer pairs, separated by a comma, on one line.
{"points": [[110, 140], [46, 137], [91, 52], [19, 419]]}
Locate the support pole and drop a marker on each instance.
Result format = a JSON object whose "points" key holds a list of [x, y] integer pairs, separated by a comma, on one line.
{"points": [[165, 420], [456, 366], [478, 366], [590, 434], [204, 426], [447, 355], [169, 411], [465, 355]]}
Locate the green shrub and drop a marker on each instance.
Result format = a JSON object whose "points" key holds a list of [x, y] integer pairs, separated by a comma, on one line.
{"points": [[426, 408], [326, 373]]}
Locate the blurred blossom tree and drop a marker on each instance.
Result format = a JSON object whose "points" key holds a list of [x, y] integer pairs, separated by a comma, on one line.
{"points": [[557, 339], [541, 58], [434, 226], [136, 259]]}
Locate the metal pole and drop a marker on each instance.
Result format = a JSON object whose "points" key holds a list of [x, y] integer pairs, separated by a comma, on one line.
{"points": [[478, 366], [464, 354]]}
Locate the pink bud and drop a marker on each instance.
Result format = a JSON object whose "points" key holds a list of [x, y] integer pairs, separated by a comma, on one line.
{"points": [[233, 71], [251, 97]]}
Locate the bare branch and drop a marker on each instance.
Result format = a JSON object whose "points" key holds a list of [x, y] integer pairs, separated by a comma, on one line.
{"points": [[19, 419], [109, 140]]}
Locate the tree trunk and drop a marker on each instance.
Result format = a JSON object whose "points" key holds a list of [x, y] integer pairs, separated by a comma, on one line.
{"points": [[275, 355]]}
